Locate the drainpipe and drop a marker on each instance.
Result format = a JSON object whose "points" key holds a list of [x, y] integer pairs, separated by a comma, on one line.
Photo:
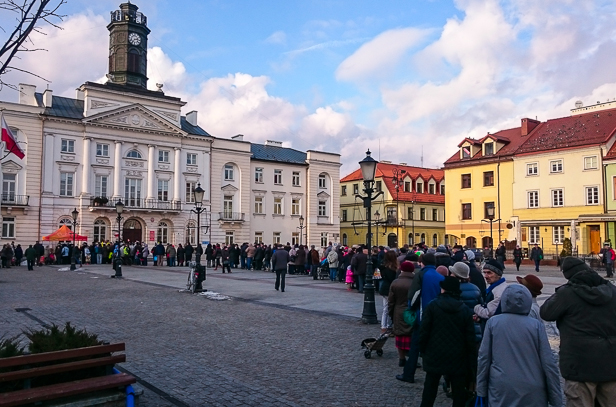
{"points": [[40, 208], [498, 199], [605, 223]]}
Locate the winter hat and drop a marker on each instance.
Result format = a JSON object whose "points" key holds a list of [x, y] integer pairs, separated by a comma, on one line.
{"points": [[532, 282], [441, 249], [572, 265], [493, 266], [450, 285], [407, 267], [442, 270], [460, 270], [431, 250], [470, 255]]}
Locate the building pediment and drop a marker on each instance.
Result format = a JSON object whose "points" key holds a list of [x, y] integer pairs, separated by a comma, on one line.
{"points": [[323, 195], [229, 188], [11, 167], [134, 118]]}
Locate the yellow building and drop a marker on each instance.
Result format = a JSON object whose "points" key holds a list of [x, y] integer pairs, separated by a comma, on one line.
{"points": [[411, 209]]}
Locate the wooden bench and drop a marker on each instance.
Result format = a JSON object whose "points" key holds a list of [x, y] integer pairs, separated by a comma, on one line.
{"points": [[53, 363]]}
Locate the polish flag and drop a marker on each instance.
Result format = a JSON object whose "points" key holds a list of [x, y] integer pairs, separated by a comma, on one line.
{"points": [[9, 139]]}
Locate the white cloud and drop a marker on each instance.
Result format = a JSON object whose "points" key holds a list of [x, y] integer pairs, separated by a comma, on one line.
{"points": [[278, 37]]}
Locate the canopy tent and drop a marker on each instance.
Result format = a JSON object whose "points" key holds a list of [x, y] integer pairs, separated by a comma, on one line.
{"points": [[64, 234]]}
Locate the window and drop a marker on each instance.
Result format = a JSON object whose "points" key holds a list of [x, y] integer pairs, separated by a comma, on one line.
{"points": [[423, 238], [410, 213], [191, 159], [410, 239], [590, 163], [227, 207], [102, 150], [422, 213], [407, 186], [277, 206], [345, 239], [229, 172], [556, 166], [466, 211], [466, 180], [466, 152], [442, 189], [295, 206], [163, 190], [432, 189], [592, 195], [533, 199], [132, 192], [435, 240], [100, 185], [419, 187], [8, 228], [259, 175], [534, 237], [344, 215], [258, 237], [162, 232], [294, 238], [322, 184], [229, 237], [190, 195], [191, 232], [295, 179], [276, 238], [489, 148], [66, 183], [68, 222], [378, 186], [488, 179], [67, 146], [9, 182], [343, 190], [558, 234], [532, 169], [163, 156], [355, 189], [322, 208], [557, 197], [278, 177], [323, 239], [435, 214], [133, 154], [258, 204], [100, 230]]}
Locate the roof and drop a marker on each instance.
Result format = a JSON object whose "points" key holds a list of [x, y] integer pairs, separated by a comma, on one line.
{"points": [[276, 153], [572, 131], [385, 172], [611, 154], [514, 136], [189, 128]]}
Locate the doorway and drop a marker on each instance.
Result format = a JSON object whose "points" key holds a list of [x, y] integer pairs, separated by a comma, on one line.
{"points": [[471, 242], [132, 231], [594, 233], [392, 240]]}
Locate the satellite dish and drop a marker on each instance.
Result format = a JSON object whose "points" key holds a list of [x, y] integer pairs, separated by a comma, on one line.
{"points": [[579, 104]]}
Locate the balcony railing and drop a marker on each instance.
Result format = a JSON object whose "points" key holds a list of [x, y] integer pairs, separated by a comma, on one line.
{"points": [[136, 203], [15, 200], [231, 216]]}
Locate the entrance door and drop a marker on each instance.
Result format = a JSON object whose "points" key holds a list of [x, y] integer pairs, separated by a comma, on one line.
{"points": [[471, 242], [132, 231], [595, 239], [392, 240]]}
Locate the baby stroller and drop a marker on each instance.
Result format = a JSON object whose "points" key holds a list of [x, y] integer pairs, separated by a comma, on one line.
{"points": [[323, 270], [374, 344]]}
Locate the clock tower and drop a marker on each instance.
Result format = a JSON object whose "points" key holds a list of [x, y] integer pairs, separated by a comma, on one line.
{"points": [[128, 46]]}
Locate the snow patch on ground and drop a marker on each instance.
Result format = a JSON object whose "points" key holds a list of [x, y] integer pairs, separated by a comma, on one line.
{"points": [[215, 296], [64, 269]]}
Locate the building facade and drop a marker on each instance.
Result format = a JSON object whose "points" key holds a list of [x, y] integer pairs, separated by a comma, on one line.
{"points": [[410, 211]]}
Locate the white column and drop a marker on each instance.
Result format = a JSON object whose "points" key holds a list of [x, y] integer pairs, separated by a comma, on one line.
{"points": [[48, 164], [85, 176], [117, 175], [176, 176], [151, 174]]}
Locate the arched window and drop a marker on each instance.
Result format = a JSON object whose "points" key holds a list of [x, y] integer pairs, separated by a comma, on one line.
{"points": [[162, 233], [434, 240], [411, 239], [471, 242], [133, 154], [345, 239], [66, 221], [100, 230], [446, 240], [191, 232], [423, 238]]}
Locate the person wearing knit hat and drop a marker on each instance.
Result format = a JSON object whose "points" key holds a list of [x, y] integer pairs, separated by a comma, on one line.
{"points": [[572, 265], [534, 285], [493, 265], [443, 271], [493, 274]]}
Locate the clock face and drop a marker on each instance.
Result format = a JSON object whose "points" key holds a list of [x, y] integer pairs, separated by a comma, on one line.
{"points": [[134, 39]]}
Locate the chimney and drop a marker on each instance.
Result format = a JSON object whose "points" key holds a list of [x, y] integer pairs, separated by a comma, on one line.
{"points": [[79, 94], [47, 97], [273, 143], [26, 94], [528, 125], [239, 137], [191, 117]]}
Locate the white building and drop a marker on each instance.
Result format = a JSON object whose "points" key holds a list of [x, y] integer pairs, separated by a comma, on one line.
{"points": [[121, 141]]}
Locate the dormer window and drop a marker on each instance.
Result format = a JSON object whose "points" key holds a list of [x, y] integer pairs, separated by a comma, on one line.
{"points": [[466, 152], [489, 148]]}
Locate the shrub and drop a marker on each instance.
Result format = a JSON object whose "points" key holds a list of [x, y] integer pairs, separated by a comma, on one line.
{"points": [[53, 339], [567, 248]]}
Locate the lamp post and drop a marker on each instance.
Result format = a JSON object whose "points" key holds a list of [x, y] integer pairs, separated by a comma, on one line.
{"points": [[491, 220], [301, 228], [396, 181], [368, 170], [119, 206], [75, 214], [198, 193]]}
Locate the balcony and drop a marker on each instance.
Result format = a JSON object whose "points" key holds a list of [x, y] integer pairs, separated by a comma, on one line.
{"points": [[230, 217], [15, 200], [135, 203]]}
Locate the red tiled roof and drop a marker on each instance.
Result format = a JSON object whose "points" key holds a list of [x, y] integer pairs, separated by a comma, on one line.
{"points": [[470, 140], [514, 136], [611, 154], [572, 131]]}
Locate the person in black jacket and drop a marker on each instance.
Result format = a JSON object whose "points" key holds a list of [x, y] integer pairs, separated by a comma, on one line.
{"points": [[501, 254], [476, 277], [188, 252], [517, 257], [447, 342]]}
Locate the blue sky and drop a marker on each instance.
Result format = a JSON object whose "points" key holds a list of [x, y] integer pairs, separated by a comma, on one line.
{"points": [[344, 76]]}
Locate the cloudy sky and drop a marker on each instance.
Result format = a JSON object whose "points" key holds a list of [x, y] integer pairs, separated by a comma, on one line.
{"points": [[396, 77]]}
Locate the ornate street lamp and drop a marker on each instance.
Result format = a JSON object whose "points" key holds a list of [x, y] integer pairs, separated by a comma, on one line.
{"points": [[75, 214], [198, 193], [398, 175], [119, 206], [301, 228], [490, 220]]}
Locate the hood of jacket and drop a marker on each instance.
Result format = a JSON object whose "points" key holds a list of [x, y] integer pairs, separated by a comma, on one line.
{"points": [[591, 287], [516, 299], [449, 303]]}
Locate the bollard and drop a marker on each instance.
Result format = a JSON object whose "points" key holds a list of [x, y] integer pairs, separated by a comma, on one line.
{"points": [[118, 267]]}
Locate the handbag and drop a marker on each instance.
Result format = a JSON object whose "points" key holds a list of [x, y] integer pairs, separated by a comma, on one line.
{"points": [[409, 315], [155, 258], [377, 274]]}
